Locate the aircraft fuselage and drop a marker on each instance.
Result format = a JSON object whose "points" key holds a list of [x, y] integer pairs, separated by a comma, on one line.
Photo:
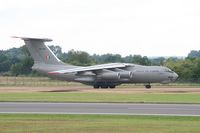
{"points": [[138, 74]]}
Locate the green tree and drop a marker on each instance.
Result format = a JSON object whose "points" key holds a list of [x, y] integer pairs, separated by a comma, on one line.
{"points": [[57, 50], [194, 54], [16, 69], [22, 68], [79, 58], [4, 62], [27, 63], [185, 68], [107, 58], [138, 59], [160, 61]]}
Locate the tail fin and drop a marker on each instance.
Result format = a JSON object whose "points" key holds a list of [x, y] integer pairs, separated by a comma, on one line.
{"points": [[40, 52]]}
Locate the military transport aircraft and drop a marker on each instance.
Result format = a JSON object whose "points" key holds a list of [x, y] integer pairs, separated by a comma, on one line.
{"points": [[99, 76]]}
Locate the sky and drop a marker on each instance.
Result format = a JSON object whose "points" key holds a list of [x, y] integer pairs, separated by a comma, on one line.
{"points": [[144, 27]]}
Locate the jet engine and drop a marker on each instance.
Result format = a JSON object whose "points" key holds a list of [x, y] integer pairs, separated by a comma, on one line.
{"points": [[126, 74], [110, 76]]}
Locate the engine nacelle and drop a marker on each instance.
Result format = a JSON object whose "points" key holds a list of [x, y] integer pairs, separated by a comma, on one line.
{"points": [[126, 75], [110, 76]]}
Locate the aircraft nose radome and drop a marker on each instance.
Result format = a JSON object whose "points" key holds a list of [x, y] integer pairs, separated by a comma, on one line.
{"points": [[175, 76]]}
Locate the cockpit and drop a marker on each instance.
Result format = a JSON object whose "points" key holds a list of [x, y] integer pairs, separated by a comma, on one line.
{"points": [[172, 76], [168, 70]]}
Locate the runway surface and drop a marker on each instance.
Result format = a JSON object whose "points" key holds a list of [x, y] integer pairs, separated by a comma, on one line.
{"points": [[100, 108]]}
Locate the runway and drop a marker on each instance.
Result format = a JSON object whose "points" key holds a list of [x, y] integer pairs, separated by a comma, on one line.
{"points": [[100, 108]]}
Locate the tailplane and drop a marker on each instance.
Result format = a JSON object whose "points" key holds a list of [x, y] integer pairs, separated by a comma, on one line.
{"points": [[40, 52]]}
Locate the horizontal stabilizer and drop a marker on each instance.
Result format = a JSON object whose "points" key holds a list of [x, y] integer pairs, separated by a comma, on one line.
{"points": [[29, 38]]}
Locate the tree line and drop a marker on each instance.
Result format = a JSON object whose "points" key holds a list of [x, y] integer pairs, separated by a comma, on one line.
{"points": [[17, 61]]}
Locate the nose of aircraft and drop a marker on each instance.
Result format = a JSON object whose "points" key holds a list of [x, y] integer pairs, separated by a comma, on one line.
{"points": [[175, 76]]}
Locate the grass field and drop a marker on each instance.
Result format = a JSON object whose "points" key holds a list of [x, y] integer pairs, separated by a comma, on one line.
{"points": [[26, 123], [102, 97], [45, 81], [77, 95], [33, 81], [70, 93], [46, 90]]}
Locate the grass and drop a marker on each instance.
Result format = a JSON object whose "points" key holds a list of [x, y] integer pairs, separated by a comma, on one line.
{"points": [[30, 123], [91, 97], [102, 97], [34, 81], [45, 81]]}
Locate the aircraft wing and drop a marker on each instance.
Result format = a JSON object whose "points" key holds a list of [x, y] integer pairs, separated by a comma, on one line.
{"points": [[91, 68]]}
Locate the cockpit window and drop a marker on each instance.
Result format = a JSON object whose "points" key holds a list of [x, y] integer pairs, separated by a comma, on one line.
{"points": [[168, 70]]}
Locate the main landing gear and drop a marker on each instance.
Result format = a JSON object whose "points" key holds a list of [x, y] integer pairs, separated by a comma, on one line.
{"points": [[104, 86]]}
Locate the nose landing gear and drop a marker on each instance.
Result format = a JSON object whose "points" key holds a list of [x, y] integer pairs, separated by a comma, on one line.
{"points": [[148, 86]]}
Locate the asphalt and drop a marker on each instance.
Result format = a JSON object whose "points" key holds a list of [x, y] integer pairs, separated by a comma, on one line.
{"points": [[100, 108]]}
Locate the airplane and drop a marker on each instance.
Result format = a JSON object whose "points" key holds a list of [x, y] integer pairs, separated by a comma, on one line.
{"points": [[99, 76]]}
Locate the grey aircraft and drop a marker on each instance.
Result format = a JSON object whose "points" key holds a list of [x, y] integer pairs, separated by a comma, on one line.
{"points": [[99, 76]]}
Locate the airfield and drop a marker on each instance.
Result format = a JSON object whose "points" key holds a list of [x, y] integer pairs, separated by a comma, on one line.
{"points": [[86, 100], [87, 89], [69, 107]]}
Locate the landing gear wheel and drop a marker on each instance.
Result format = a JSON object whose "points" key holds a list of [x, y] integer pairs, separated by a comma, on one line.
{"points": [[104, 86], [96, 86], [112, 86], [147, 86]]}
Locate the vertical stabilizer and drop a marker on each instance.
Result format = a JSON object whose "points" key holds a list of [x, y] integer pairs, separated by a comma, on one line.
{"points": [[40, 52]]}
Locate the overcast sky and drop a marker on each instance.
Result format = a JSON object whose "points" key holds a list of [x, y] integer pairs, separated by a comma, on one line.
{"points": [[145, 27]]}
